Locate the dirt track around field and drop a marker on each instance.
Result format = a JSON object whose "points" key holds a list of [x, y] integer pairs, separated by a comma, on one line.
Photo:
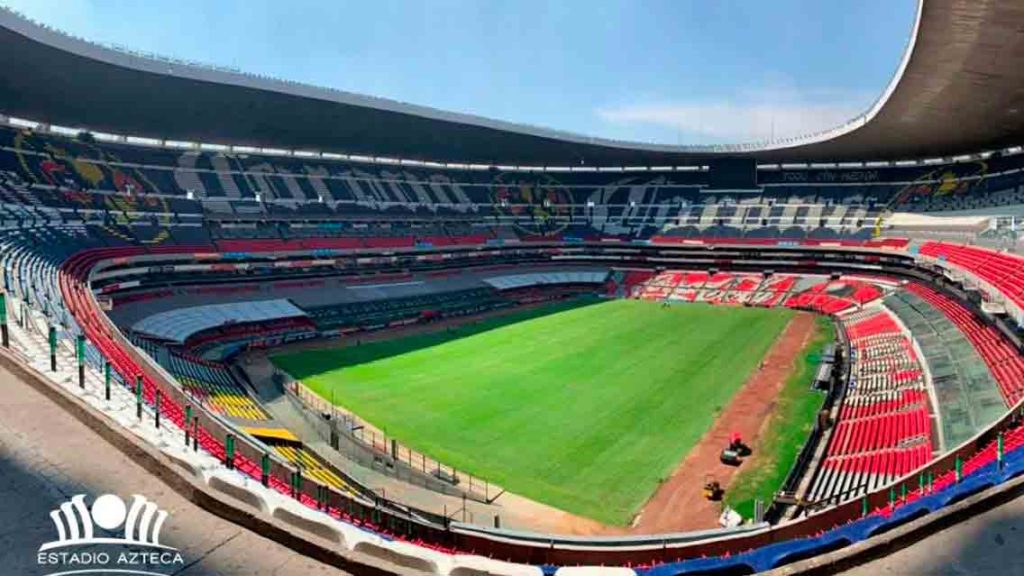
{"points": [[678, 504]]}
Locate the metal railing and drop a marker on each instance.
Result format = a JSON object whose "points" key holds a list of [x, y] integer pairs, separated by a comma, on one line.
{"points": [[385, 453]]}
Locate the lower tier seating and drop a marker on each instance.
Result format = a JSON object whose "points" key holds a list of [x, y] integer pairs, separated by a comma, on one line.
{"points": [[816, 293], [213, 384], [312, 467], [1003, 271], [1002, 358], [376, 313], [883, 426]]}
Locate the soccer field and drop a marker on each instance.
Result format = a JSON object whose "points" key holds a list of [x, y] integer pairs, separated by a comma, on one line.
{"points": [[582, 407]]}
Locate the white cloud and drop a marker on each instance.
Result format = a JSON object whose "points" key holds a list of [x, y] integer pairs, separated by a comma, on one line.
{"points": [[753, 116]]}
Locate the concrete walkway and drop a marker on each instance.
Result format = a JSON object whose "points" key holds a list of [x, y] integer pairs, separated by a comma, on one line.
{"points": [[989, 544], [46, 456]]}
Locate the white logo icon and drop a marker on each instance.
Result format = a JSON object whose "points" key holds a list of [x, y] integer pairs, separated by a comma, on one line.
{"points": [[128, 537], [139, 524]]}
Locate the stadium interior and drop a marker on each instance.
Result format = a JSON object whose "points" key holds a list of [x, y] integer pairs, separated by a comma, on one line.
{"points": [[161, 273]]}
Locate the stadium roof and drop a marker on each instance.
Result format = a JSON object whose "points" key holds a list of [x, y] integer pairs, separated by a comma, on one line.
{"points": [[959, 89]]}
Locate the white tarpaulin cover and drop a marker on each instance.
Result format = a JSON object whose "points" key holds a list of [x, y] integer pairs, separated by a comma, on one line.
{"points": [[177, 325]]}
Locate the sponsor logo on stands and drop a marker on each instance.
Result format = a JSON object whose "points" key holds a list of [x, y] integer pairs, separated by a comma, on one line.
{"points": [[107, 537]]}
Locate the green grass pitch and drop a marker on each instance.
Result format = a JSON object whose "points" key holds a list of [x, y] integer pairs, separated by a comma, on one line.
{"points": [[787, 430], [583, 406]]}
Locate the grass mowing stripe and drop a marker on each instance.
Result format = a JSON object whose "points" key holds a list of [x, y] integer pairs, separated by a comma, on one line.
{"points": [[788, 428], [585, 409]]}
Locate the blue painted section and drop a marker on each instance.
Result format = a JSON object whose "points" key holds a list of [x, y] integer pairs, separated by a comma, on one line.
{"points": [[697, 566]]}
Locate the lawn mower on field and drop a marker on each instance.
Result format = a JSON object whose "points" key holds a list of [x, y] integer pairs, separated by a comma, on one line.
{"points": [[736, 445]]}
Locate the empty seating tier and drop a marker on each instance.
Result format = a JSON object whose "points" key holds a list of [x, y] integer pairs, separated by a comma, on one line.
{"points": [[1005, 272], [815, 293], [1002, 359], [883, 426], [212, 384]]}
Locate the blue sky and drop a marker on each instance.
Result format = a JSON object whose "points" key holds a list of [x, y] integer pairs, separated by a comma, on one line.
{"points": [[665, 71]]}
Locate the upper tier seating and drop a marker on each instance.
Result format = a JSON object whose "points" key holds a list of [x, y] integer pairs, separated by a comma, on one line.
{"points": [[47, 177], [57, 161]]}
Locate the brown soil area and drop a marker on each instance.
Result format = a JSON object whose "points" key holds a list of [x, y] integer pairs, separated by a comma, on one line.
{"points": [[678, 504]]}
